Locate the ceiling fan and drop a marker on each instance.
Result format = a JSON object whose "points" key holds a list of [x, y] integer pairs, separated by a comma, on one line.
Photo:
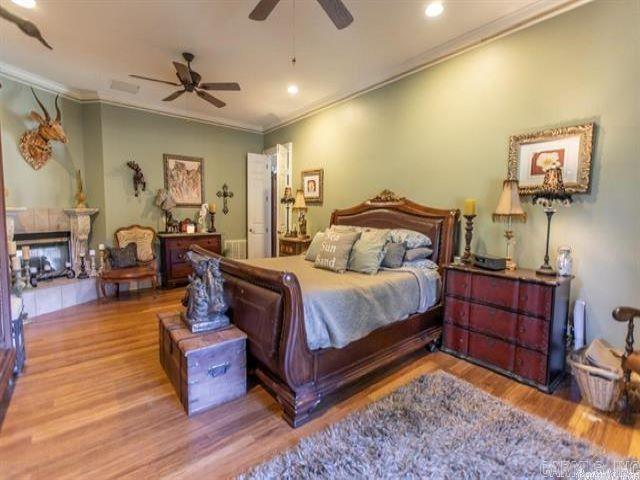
{"points": [[335, 9], [190, 82]]}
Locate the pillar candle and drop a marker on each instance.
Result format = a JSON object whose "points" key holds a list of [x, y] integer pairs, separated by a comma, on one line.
{"points": [[101, 246], [469, 207], [15, 264], [26, 253], [12, 248], [92, 253], [212, 207]]}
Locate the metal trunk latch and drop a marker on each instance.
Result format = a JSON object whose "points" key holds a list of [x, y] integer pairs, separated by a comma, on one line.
{"points": [[217, 370]]}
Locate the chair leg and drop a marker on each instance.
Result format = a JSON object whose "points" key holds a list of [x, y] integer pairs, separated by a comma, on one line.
{"points": [[117, 290], [154, 285], [103, 288]]}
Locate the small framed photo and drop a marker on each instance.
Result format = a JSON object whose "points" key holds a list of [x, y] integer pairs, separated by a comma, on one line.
{"points": [[530, 154], [184, 179], [313, 185]]}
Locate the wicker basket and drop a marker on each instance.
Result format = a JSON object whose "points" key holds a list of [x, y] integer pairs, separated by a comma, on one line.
{"points": [[599, 387]]}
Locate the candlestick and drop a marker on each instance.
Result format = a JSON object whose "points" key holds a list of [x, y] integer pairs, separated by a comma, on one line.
{"points": [[466, 257], [212, 221], [469, 207], [83, 268]]}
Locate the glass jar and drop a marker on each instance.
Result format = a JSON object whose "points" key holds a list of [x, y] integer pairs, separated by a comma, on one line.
{"points": [[564, 262]]}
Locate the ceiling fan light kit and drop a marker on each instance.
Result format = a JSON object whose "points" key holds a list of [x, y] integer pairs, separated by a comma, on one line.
{"points": [[190, 81]]}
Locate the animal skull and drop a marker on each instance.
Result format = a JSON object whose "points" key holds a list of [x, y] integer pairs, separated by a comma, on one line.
{"points": [[35, 144]]}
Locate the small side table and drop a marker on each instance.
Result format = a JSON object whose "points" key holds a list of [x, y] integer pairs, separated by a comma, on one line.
{"points": [[206, 369], [293, 246]]}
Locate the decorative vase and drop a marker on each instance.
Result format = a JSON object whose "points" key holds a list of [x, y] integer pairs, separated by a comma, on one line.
{"points": [[564, 262]]}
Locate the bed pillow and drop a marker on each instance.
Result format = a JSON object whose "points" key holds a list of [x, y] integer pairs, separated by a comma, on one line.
{"points": [[410, 238], [314, 247], [123, 257], [393, 255], [367, 253], [414, 254], [335, 249]]}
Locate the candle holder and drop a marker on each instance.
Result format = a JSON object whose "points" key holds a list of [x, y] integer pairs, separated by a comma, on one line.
{"points": [[93, 272], [83, 269], [468, 236], [212, 222]]}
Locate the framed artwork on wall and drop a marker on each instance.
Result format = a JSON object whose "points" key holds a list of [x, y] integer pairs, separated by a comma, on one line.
{"points": [[530, 154], [184, 179], [313, 185]]}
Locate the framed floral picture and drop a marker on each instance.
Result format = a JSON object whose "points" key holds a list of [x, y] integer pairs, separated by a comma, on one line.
{"points": [[313, 185], [184, 179], [530, 155]]}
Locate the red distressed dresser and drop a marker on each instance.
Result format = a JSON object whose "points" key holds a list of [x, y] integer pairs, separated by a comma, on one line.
{"points": [[513, 322]]}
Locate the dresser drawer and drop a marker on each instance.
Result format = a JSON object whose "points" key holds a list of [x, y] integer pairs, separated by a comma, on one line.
{"points": [[533, 333], [180, 271], [456, 338], [491, 350], [531, 365], [178, 255], [458, 283], [183, 243], [287, 249], [208, 243], [456, 311], [494, 290], [535, 299], [496, 322]]}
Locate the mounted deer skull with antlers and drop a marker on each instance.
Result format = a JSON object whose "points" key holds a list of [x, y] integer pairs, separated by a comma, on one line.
{"points": [[35, 144]]}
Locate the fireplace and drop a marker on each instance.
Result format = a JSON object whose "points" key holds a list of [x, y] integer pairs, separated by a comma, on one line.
{"points": [[50, 252]]}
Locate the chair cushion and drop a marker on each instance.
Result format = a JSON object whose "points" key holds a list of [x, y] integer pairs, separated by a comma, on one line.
{"points": [[123, 257], [142, 237]]}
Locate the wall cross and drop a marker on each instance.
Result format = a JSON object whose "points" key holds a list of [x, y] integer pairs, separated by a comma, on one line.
{"points": [[225, 194]]}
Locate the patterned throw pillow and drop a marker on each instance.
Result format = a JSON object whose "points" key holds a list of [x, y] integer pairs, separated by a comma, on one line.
{"points": [[335, 249], [393, 255], [414, 254], [314, 247], [368, 251], [410, 238], [123, 257]]}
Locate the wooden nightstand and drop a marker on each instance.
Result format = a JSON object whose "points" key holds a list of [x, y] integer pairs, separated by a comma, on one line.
{"points": [[512, 321], [293, 246]]}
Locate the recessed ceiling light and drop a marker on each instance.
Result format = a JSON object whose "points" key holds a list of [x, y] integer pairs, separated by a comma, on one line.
{"points": [[25, 3], [292, 89], [434, 9]]}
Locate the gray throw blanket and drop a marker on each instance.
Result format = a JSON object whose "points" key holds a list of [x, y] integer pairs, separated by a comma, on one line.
{"points": [[342, 308]]}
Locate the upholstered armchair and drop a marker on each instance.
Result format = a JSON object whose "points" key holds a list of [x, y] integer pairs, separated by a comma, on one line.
{"points": [[145, 265], [630, 359]]}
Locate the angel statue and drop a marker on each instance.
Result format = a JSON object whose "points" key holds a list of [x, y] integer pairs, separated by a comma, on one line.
{"points": [[204, 298], [202, 217]]}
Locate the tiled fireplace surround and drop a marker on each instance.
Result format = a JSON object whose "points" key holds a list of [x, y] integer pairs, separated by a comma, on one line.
{"points": [[53, 295]]}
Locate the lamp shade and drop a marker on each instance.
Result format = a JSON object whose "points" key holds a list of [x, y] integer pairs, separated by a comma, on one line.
{"points": [[300, 204], [509, 206], [552, 189]]}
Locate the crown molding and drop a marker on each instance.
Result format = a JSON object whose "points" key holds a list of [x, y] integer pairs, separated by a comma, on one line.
{"points": [[84, 96], [519, 20]]}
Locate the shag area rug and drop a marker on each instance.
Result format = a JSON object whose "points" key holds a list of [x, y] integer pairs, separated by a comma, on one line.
{"points": [[439, 426]]}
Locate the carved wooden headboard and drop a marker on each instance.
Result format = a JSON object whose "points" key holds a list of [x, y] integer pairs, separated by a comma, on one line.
{"points": [[387, 210]]}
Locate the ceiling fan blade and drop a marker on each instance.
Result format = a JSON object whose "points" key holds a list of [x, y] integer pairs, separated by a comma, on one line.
{"points": [[155, 80], [27, 27], [173, 96], [338, 13], [210, 98], [263, 9], [232, 86], [183, 72]]}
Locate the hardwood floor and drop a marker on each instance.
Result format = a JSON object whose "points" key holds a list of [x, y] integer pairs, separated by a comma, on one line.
{"points": [[95, 403]]}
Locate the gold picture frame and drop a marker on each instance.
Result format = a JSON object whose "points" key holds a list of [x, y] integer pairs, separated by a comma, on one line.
{"points": [[312, 182], [569, 146]]}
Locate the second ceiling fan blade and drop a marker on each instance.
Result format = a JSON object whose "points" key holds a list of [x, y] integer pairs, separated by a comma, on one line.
{"points": [[183, 72], [173, 96], [231, 86], [263, 9], [154, 80], [338, 13], [210, 98]]}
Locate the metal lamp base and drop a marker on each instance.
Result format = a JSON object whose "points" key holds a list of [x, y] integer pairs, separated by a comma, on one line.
{"points": [[546, 270]]}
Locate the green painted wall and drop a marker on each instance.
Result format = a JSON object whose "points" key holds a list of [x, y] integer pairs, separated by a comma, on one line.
{"points": [[440, 136], [102, 138]]}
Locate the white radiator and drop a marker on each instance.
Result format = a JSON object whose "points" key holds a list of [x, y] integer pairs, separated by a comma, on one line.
{"points": [[235, 248]]}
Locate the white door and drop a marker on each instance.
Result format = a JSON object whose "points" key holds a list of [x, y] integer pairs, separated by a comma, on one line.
{"points": [[258, 206]]}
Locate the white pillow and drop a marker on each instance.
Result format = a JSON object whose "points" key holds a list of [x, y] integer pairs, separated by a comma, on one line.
{"points": [[410, 238]]}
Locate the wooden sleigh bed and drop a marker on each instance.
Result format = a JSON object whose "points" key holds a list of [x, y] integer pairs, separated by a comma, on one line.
{"points": [[267, 306]]}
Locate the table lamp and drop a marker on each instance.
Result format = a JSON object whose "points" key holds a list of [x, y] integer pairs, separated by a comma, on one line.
{"points": [[552, 193], [509, 210], [287, 200], [301, 206]]}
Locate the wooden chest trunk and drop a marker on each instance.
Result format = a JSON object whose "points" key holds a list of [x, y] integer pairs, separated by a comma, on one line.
{"points": [[206, 369]]}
